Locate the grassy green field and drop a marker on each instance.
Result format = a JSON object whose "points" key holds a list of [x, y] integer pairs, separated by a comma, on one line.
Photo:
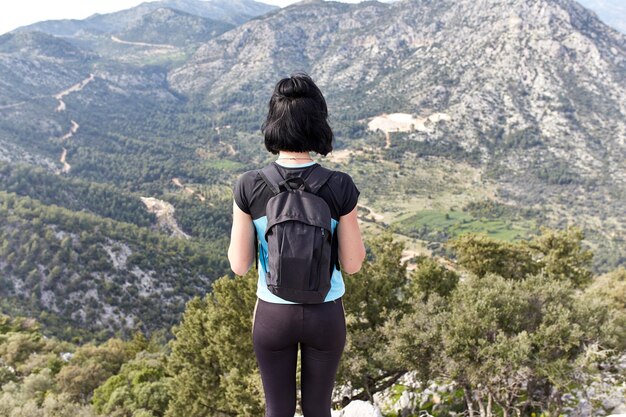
{"points": [[225, 164], [455, 223]]}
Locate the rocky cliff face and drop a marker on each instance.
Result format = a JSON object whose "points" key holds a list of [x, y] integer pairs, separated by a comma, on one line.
{"points": [[509, 64]]}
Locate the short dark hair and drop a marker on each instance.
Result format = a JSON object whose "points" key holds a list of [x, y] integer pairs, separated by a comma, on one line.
{"points": [[297, 117]]}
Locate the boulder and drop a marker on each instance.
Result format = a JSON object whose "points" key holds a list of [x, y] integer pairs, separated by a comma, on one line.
{"points": [[358, 408]]}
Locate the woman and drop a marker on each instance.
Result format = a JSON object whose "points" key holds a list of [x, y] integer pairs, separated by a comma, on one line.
{"points": [[296, 125]]}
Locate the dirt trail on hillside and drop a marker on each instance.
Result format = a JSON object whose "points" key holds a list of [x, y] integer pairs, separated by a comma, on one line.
{"points": [[76, 87], [66, 167], [151, 45], [10, 106], [189, 190], [407, 255], [72, 131], [74, 125]]}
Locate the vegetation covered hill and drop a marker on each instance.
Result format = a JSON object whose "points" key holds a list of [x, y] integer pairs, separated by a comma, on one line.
{"points": [[517, 329], [86, 276]]}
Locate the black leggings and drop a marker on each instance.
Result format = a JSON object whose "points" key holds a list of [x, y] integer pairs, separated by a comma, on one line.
{"points": [[320, 329]]}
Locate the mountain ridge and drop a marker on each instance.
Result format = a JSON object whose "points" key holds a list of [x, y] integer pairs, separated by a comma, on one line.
{"points": [[233, 12]]}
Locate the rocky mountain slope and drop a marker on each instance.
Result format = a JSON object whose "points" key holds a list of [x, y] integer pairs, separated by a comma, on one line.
{"points": [[168, 26], [157, 32], [535, 87]]}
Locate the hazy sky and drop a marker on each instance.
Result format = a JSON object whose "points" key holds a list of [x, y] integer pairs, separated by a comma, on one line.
{"points": [[15, 13]]}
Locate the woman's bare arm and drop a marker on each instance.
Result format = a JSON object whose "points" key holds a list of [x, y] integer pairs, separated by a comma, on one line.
{"points": [[241, 249], [351, 248]]}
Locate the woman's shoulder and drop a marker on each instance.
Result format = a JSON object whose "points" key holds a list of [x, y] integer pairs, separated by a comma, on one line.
{"points": [[341, 178], [248, 177], [245, 184], [344, 192]]}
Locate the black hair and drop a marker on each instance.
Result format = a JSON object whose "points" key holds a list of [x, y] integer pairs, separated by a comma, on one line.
{"points": [[297, 117]]}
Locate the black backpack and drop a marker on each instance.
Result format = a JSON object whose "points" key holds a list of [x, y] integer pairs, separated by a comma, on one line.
{"points": [[302, 250]]}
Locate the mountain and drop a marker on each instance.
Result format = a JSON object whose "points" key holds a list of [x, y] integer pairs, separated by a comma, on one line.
{"points": [[613, 12], [34, 63], [82, 274], [161, 32], [171, 27], [533, 91], [81, 253], [233, 12]]}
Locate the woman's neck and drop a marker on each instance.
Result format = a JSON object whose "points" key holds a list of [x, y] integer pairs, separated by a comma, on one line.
{"points": [[294, 157]]}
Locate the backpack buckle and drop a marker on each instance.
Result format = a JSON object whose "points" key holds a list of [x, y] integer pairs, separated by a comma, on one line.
{"points": [[287, 184]]}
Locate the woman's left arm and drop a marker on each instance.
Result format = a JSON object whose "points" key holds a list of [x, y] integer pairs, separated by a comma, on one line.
{"points": [[241, 249]]}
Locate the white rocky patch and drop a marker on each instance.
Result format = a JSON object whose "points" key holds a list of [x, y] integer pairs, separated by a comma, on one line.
{"points": [[356, 408], [403, 122], [48, 300], [145, 282], [118, 252], [164, 212]]}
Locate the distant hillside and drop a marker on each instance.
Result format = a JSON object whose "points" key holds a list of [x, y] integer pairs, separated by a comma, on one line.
{"points": [[84, 275], [172, 27], [233, 12]]}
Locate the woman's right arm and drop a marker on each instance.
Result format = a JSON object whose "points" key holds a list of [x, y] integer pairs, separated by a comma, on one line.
{"points": [[241, 250], [351, 248]]}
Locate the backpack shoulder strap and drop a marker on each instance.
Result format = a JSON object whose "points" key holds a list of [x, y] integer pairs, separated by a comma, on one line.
{"points": [[317, 178], [272, 178]]}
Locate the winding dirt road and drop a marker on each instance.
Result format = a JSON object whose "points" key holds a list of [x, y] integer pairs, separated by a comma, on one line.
{"points": [[76, 87], [72, 131], [66, 167], [151, 45], [189, 190]]}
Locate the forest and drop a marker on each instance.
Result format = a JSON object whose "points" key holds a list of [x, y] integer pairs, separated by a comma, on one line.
{"points": [[84, 276], [513, 329]]}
